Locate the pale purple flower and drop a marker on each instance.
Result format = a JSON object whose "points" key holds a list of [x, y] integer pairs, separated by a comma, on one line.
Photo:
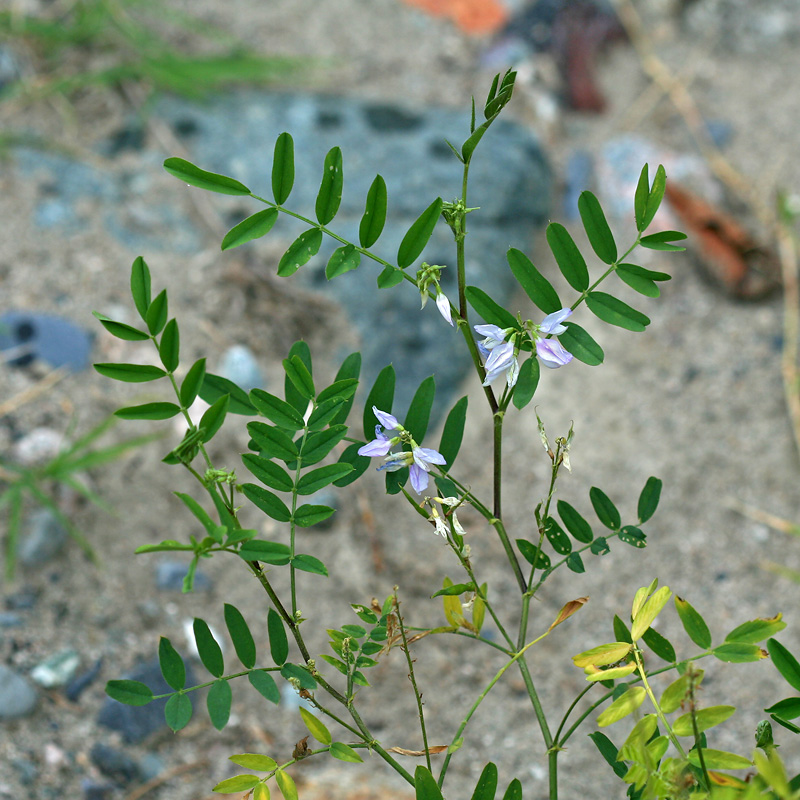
{"points": [[495, 336], [381, 444], [552, 354], [418, 460], [552, 322], [500, 355], [443, 304]]}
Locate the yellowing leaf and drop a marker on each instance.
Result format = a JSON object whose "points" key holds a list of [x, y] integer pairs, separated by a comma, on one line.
{"points": [[622, 706], [569, 609], [705, 718], [594, 674], [719, 759], [641, 596], [261, 792], [452, 606], [254, 761], [675, 693], [286, 785], [602, 655], [315, 727], [643, 619]]}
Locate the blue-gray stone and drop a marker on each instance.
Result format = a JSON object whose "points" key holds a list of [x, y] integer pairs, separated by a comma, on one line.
{"points": [[114, 764], [8, 619], [43, 538], [28, 771], [170, 575], [80, 683], [509, 180], [26, 336], [136, 723], [18, 697], [24, 599], [238, 364], [96, 791], [136, 221]]}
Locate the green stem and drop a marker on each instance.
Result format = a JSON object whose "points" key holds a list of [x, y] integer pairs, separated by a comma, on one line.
{"points": [[517, 657], [637, 655], [413, 680]]}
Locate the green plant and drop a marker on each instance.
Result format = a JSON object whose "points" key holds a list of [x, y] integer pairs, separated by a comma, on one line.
{"points": [[108, 42], [21, 484], [305, 441]]}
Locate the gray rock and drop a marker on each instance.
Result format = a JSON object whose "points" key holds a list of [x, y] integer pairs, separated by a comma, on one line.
{"points": [[96, 791], [44, 538], [509, 180], [238, 364], [10, 620], [114, 764], [79, 684], [136, 723], [18, 698], [26, 769], [170, 575], [27, 336], [57, 670]]}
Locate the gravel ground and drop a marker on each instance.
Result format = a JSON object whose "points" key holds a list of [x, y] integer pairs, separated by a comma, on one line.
{"points": [[696, 400]]}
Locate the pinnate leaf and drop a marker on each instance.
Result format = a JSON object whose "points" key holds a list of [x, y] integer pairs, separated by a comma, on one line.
{"points": [[178, 711], [374, 217], [535, 285], [300, 251], [596, 227], [172, 666], [241, 636], [568, 257], [130, 373], [330, 190], [218, 702], [418, 234], [278, 642], [695, 626], [580, 343], [283, 168], [131, 693], [194, 176], [208, 648], [254, 227], [613, 311]]}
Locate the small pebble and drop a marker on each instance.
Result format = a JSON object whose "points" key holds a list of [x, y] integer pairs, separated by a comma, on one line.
{"points": [[57, 670], [78, 685], [239, 365], [22, 600], [114, 764], [18, 698], [38, 447], [96, 791], [26, 769], [44, 538]]}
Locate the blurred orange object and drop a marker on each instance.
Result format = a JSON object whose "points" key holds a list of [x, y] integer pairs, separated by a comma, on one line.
{"points": [[472, 16]]}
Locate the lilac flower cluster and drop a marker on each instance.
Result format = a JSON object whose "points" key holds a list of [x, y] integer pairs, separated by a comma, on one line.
{"points": [[501, 349], [419, 460]]}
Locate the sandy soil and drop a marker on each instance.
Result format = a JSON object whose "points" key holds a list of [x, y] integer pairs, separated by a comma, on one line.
{"points": [[696, 400]]}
